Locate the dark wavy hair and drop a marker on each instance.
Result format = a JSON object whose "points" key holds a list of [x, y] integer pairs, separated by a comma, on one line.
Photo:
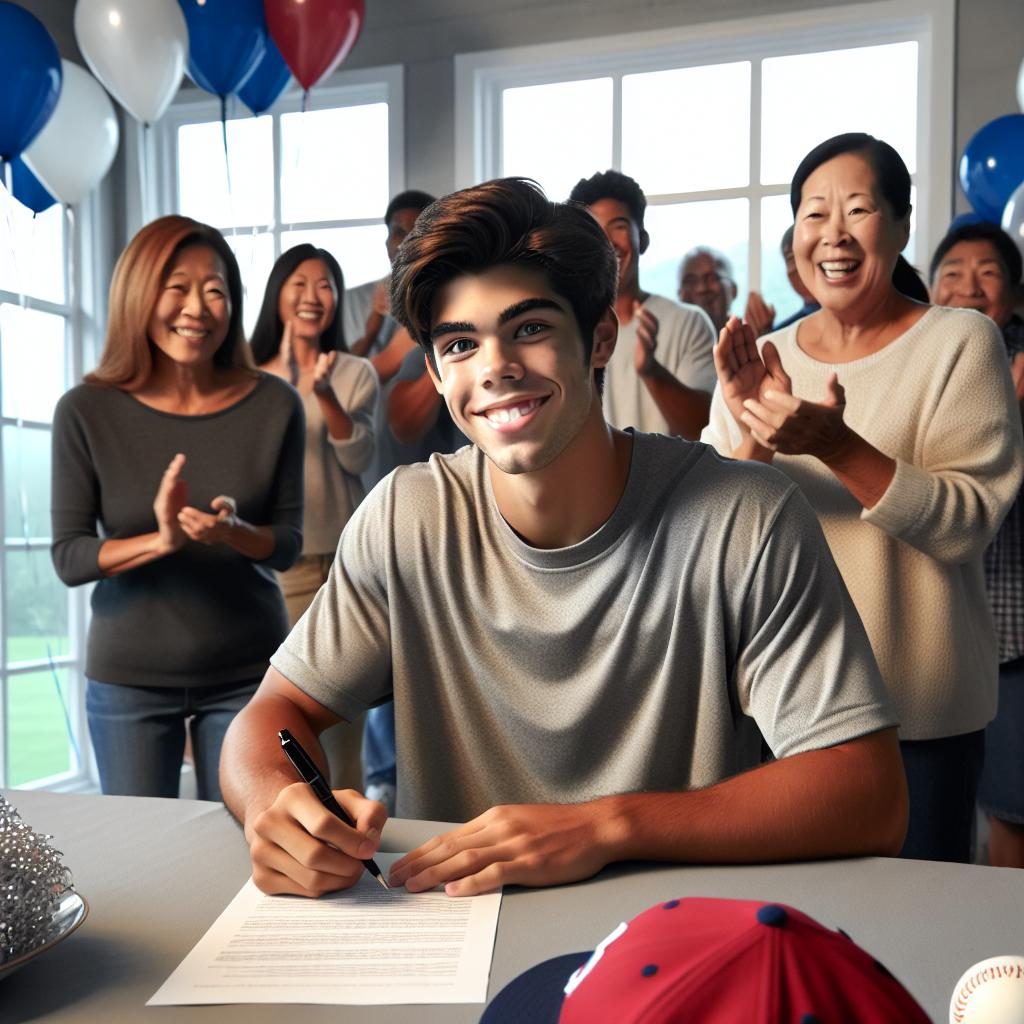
{"points": [[266, 335], [983, 231], [506, 221], [612, 185], [127, 359], [892, 178]]}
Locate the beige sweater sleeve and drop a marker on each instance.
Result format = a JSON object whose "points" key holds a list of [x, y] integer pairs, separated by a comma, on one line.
{"points": [[949, 501]]}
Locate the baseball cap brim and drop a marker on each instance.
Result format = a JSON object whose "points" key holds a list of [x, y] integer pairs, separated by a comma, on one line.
{"points": [[536, 995]]}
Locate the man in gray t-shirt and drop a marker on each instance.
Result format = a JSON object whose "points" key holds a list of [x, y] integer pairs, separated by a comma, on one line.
{"points": [[587, 632]]}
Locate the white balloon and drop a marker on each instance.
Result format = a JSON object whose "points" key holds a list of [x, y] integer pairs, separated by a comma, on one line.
{"points": [[74, 151], [1013, 217], [137, 49], [1020, 85]]}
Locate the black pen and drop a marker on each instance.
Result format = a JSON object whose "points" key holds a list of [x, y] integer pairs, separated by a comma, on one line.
{"points": [[310, 774]]}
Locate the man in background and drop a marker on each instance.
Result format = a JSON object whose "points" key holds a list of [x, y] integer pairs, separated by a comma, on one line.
{"points": [[977, 266], [661, 374]]}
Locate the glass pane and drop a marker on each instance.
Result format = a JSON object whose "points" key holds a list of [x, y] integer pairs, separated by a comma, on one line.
{"points": [[675, 229], [809, 97], [39, 744], [37, 606], [31, 250], [776, 216], [360, 251], [557, 133], [26, 482], [687, 129], [203, 191], [255, 254], [334, 163], [32, 362]]}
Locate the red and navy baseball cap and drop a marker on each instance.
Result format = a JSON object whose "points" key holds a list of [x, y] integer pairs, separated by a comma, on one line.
{"points": [[711, 961]]}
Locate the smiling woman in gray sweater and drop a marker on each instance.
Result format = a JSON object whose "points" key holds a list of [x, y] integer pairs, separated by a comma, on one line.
{"points": [[177, 485]]}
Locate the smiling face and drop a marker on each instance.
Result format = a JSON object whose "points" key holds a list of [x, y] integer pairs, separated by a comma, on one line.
{"points": [[704, 283], [627, 239], [846, 239], [399, 226], [307, 300], [972, 276], [510, 365], [193, 311]]}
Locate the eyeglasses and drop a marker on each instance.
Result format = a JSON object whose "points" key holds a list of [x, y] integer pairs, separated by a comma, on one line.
{"points": [[704, 280]]}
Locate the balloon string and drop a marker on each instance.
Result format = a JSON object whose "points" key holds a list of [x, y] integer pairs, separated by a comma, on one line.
{"points": [[305, 100], [227, 163], [143, 174]]}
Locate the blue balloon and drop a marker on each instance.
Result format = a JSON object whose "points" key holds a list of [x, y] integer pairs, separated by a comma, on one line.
{"points": [[267, 82], [28, 189], [992, 165], [226, 40], [30, 79]]}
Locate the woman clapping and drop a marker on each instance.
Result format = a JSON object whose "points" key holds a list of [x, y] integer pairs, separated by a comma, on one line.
{"points": [[177, 484], [894, 417]]}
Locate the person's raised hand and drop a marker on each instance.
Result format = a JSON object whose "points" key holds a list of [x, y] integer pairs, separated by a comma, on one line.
{"points": [[759, 314], [322, 372], [646, 339], [517, 844], [170, 499], [382, 297], [784, 423], [743, 372], [287, 355], [206, 528], [297, 846]]}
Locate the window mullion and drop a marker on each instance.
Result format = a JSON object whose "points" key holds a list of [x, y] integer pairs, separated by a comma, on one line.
{"points": [[754, 211], [617, 121]]}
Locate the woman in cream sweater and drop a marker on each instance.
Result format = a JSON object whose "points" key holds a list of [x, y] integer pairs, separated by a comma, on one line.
{"points": [[895, 418]]}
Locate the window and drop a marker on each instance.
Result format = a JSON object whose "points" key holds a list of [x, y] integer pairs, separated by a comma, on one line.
{"points": [[42, 733], [322, 176], [712, 120]]}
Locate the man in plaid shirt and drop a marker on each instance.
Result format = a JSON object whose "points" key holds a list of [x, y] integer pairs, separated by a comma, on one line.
{"points": [[977, 266]]}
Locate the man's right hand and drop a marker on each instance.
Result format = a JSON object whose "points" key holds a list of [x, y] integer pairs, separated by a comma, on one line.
{"points": [[298, 847]]}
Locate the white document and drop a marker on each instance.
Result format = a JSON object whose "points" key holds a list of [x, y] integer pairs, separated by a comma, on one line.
{"points": [[364, 946]]}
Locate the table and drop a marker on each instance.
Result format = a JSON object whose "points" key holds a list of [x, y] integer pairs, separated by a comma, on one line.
{"points": [[157, 873]]}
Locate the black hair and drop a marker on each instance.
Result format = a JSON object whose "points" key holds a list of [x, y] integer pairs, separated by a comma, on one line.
{"points": [[611, 185], [266, 335], [892, 179], [506, 221], [412, 199], [982, 231], [787, 240]]}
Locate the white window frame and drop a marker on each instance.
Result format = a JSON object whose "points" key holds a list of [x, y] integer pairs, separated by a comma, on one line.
{"points": [[480, 79], [343, 89], [83, 310]]}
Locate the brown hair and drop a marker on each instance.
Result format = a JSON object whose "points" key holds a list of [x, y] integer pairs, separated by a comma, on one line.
{"points": [[127, 359], [506, 221]]}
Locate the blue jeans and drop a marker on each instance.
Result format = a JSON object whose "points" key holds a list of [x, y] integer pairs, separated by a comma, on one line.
{"points": [[138, 734], [942, 779], [379, 745]]}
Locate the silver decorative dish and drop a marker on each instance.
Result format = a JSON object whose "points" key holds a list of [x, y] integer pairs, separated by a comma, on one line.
{"points": [[69, 914]]}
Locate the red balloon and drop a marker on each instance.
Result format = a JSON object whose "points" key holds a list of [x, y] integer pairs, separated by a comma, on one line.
{"points": [[314, 36]]}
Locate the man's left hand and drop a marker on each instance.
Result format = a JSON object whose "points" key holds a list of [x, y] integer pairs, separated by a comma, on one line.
{"points": [[516, 844], [646, 340]]}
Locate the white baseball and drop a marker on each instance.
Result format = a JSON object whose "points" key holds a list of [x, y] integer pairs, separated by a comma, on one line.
{"points": [[990, 992]]}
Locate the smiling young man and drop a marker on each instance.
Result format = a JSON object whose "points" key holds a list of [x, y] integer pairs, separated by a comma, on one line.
{"points": [[586, 631], [662, 373]]}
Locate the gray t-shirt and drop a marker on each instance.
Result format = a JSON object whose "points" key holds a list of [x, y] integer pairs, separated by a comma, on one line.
{"points": [[685, 342], [643, 658]]}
